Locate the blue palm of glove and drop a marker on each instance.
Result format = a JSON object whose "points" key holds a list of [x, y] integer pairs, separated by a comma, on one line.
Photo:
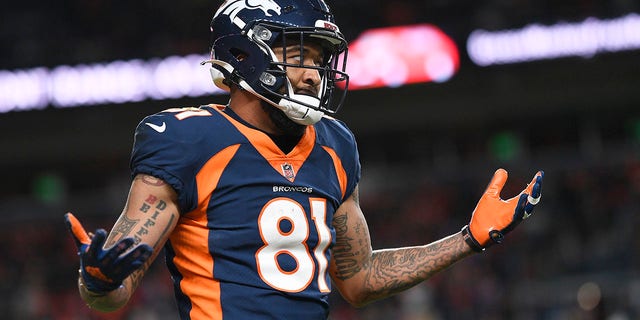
{"points": [[104, 270], [526, 204]]}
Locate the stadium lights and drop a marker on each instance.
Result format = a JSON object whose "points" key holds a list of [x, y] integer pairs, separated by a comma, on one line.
{"points": [[538, 42], [105, 83], [395, 56], [410, 54], [430, 56]]}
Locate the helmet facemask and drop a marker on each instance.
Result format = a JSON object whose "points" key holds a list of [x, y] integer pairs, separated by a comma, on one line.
{"points": [[272, 84], [330, 66]]}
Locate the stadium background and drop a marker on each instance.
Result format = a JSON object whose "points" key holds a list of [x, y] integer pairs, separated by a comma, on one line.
{"points": [[427, 152]]}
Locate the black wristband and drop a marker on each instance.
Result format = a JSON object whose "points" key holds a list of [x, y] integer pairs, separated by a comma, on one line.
{"points": [[472, 242]]}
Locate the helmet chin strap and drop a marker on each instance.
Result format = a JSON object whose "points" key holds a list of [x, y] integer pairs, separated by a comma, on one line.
{"points": [[299, 113], [295, 111]]}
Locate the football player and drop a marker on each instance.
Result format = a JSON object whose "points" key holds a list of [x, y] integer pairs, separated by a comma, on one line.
{"points": [[256, 202]]}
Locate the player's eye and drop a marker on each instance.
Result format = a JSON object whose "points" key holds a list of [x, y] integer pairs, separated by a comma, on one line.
{"points": [[307, 58], [295, 57], [319, 61]]}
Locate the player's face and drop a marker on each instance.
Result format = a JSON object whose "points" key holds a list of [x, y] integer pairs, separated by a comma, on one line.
{"points": [[303, 80]]}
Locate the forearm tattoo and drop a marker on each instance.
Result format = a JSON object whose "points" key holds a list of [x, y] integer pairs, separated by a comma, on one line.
{"points": [[136, 228], [121, 229], [152, 206], [156, 206], [395, 270], [127, 226]]}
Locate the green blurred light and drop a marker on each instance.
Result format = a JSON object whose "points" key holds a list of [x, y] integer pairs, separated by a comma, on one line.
{"points": [[49, 188], [504, 146], [635, 129]]}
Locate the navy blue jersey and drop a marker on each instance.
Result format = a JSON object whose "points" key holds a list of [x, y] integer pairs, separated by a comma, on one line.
{"points": [[255, 231]]}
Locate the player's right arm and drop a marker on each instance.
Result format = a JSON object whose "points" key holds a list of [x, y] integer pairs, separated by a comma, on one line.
{"points": [[109, 277]]}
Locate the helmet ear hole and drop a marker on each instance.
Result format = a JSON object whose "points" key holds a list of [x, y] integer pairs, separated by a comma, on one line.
{"points": [[238, 54], [245, 58]]}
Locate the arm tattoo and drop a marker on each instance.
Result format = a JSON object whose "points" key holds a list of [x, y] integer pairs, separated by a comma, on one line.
{"points": [[356, 195], [396, 270], [390, 271], [347, 249], [346, 264], [152, 207], [121, 230], [136, 276], [151, 180], [165, 231]]}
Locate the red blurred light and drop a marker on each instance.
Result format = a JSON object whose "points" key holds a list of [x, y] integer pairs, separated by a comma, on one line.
{"points": [[395, 56]]}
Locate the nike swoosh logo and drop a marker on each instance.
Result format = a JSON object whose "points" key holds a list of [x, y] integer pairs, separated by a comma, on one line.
{"points": [[159, 128]]}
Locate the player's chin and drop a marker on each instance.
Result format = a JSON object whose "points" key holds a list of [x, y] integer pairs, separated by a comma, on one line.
{"points": [[282, 122]]}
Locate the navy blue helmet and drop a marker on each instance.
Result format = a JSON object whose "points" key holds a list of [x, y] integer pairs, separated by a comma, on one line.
{"points": [[243, 35]]}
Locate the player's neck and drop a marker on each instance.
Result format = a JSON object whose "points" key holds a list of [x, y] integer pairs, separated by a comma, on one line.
{"points": [[249, 108], [286, 142]]}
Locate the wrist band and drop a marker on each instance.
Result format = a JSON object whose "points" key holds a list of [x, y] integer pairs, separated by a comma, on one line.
{"points": [[468, 238], [93, 294]]}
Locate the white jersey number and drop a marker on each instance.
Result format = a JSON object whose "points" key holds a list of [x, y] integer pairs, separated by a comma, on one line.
{"points": [[292, 242]]}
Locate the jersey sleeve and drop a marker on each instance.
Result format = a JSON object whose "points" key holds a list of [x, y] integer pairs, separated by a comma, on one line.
{"points": [[342, 140], [351, 162], [165, 148]]}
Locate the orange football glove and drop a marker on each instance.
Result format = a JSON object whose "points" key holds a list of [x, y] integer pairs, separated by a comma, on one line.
{"points": [[493, 217], [104, 270]]}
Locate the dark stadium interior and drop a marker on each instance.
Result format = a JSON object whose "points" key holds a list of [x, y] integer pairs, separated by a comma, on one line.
{"points": [[427, 152]]}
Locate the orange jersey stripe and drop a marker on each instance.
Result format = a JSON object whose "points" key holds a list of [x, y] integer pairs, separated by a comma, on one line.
{"points": [[340, 172], [270, 151], [190, 240]]}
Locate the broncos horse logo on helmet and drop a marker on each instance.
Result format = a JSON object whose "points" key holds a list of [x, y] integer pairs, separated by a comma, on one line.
{"points": [[243, 35], [231, 7]]}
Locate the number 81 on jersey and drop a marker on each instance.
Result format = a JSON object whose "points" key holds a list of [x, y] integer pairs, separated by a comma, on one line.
{"points": [[293, 243]]}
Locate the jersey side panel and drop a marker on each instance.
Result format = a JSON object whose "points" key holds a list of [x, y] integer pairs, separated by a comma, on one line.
{"points": [[190, 239]]}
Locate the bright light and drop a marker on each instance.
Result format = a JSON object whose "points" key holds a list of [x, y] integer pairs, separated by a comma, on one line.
{"points": [[388, 57], [23, 89], [104, 83], [538, 42], [391, 57]]}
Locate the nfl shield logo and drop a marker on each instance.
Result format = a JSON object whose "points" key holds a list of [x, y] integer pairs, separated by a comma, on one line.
{"points": [[287, 171]]}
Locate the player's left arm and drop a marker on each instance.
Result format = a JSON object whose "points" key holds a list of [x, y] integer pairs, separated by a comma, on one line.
{"points": [[363, 275]]}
